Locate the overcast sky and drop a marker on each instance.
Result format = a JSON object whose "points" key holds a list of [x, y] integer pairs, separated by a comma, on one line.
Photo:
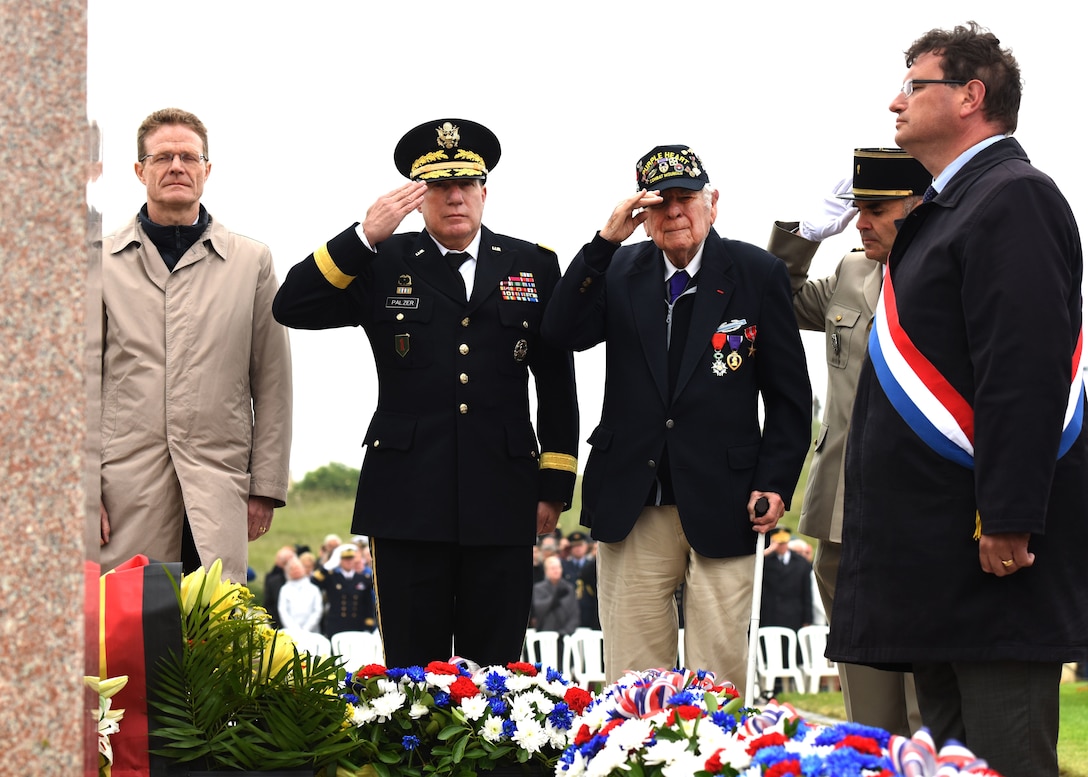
{"points": [[305, 101]]}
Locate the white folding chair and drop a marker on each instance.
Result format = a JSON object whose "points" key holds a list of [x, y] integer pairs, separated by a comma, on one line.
{"points": [[542, 647], [528, 653], [813, 641], [590, 647], [777, 657], [358, 648], [310, 642], [680, 661], [572, 655]]}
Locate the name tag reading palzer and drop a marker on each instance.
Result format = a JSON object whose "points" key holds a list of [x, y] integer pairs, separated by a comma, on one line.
{"points": [[410, 303]]}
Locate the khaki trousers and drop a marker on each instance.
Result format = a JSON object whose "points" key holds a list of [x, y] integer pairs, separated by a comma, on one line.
{"points": [[637, 578]]}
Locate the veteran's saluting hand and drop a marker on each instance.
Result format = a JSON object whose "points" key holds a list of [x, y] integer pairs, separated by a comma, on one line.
{"points": [[629, 214]]}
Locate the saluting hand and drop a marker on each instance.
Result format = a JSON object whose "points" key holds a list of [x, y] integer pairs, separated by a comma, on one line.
{"points": [[385, 215], [624, 219]]}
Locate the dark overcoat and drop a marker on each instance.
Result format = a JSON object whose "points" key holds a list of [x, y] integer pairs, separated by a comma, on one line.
{"points": [[987, 278]]}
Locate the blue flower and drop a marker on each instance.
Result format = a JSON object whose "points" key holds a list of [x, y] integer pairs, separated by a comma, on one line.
{"points": [[724, 721], [683, 697], [555, 677], [509, 728], [410, 742], [441, 699], [495, 683], [395, 674], [839, 732], [498, 705], [416, 674], [561, 716], [350, 698]]}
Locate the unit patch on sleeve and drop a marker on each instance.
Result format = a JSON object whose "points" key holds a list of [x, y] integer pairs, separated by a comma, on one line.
{"points": [[519, 288]]}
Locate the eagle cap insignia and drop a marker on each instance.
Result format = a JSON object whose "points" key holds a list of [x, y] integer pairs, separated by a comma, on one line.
{"points": [[449, 135]]}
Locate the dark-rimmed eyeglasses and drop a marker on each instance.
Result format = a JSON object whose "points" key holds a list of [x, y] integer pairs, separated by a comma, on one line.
{"points": [[911, 83], [164, 159]]}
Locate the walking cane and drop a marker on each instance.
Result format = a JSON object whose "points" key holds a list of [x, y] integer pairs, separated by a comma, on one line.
{"points": [[761, 508]]}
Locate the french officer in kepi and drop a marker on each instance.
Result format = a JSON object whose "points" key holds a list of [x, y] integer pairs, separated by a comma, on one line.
{"points": [[456, 483]]}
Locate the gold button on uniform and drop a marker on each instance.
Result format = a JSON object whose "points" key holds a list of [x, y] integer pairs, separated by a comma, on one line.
{"points": [[377, 443], [524, 324], [464, 321], [463, 348], [400, 316], [838, 317], [464, 378], [670, 424], [463, 408]]}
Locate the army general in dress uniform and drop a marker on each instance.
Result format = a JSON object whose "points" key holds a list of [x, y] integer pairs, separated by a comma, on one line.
{"points": [[456, 482]]}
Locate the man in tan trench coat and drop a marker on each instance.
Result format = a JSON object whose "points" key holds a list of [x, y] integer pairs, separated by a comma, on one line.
{"points": [[196, 374]]}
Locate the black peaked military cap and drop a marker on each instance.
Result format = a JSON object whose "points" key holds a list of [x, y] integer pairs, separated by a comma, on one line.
{"points": [[447, 149]]}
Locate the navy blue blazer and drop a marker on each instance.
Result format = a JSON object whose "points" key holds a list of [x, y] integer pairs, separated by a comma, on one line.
{"points": [[718, 449]]}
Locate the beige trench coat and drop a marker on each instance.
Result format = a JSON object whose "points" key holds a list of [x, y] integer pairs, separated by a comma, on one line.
{"points": [[196, 395]]}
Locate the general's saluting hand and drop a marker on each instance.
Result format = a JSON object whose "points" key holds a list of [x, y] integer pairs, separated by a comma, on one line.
{"points": [[385, 215], [624, 219]]}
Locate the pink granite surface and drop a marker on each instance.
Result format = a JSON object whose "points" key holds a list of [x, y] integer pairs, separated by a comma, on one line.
{"points": [[44, 299]]}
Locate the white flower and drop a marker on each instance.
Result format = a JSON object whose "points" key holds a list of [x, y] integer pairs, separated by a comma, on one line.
{"points": [[363, 714], [522, 708], [684, 765], [519, 682], [631, 734], [607, 760], [417, 711], [385, 685], [492, 729], [557, 738], [530, 736], [474, 707], [386, 704], [665, 752], [443, 681]]}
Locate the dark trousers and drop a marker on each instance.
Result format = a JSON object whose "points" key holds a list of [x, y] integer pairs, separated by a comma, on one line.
{"points": [[437, 600], [1005, 712]]}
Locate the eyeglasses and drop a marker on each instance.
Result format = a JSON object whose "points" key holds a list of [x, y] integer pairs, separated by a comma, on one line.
{"points": [[164, 159], [911, 83]]}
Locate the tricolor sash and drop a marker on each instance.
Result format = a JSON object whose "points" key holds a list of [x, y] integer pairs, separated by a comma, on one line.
{"points": [[928, 403]]}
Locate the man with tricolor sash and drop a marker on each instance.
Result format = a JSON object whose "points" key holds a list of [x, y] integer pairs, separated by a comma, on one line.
{"points": [[966, 503]]}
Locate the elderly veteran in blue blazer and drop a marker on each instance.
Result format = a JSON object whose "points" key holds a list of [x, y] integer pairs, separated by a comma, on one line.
{"points": [[456, 483], [699, 328]]}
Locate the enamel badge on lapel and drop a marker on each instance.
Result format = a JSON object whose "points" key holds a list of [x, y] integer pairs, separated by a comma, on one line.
{"points": [[402, 343], [404, 284], [722, 335], [521, 350], [750, 333]]}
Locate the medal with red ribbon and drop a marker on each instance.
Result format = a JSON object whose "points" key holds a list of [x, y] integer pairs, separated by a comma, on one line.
{"points": [[718, 341], [722, 335]]}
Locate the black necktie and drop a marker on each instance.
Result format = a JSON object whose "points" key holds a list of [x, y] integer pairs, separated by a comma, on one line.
{"points": [[929, 195], [456, 259]]}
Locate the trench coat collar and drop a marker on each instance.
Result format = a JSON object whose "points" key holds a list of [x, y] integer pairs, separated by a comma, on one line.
{"points": [[212, 243]]}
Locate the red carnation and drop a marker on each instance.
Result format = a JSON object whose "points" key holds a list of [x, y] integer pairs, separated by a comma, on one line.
{"points": [[583, 735], [784, 767], [767, 740], [688, 712], [370, 670], [714, 763], [577, 699], [520, 667], [865, 745], [441, 667], [610, 725], [463, 688]]}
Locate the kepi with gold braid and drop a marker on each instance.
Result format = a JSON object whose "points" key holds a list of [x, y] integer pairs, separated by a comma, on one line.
{"points": [[887, 174], [447, 149]]}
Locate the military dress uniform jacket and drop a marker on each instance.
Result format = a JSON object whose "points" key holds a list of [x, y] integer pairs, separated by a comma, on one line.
{"points": [[717, 451], [841, 306], [452, 455], [987, 278]]}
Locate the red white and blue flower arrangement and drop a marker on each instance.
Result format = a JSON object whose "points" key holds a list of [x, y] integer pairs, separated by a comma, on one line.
{"points": [[678, 723]]}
